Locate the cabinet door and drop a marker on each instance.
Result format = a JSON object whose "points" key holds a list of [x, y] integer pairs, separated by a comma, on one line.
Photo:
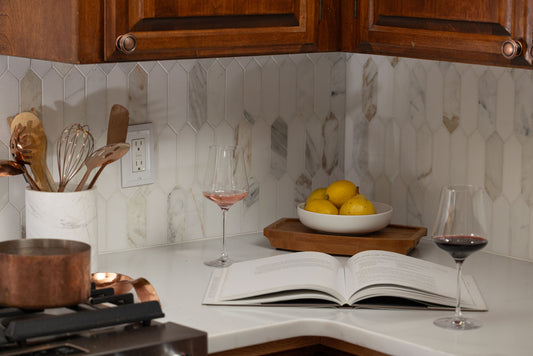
{"points": [[457, 30], [159, 29]]}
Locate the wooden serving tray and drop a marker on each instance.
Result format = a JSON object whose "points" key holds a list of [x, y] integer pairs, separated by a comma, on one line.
{"points": [[291, 234]]}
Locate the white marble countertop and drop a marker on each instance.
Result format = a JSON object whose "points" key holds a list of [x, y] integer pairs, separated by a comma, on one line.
{"points": [[179, 276]]}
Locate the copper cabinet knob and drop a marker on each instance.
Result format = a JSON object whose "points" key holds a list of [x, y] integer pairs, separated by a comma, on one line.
{"points": [[511, 49], [126, 43]]}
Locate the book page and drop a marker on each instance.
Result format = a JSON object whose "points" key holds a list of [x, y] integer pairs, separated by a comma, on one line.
{"points": [[387, 268], [296, 271]]}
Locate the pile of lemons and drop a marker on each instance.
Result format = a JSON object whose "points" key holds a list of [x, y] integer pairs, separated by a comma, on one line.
{"points": [[341, 197]]}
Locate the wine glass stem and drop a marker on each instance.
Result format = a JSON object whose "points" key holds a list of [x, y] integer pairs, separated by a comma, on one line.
{"points": [[223, 253], [458, 314]]}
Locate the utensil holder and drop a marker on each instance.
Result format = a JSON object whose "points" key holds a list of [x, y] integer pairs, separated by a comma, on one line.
{"points": [[65, 215]]}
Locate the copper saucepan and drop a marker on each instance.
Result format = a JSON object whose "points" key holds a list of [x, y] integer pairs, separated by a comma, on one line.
{"points": [[44, 273]]}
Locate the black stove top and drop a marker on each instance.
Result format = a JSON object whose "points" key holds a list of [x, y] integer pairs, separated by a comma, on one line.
{"points": [[107, 324]]}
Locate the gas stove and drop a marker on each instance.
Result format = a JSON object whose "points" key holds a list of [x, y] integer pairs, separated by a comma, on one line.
{"points": [[107, 324]]}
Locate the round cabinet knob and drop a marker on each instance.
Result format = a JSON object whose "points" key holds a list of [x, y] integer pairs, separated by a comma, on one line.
{"points": [[126, 43], [511, 49]]}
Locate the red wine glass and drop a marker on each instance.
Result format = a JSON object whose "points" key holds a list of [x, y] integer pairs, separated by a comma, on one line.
{"points": [[460, 229], [225, 184]]}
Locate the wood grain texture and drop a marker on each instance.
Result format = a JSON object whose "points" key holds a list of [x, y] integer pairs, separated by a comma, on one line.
{"points": [[45, 31], [291, 234], [349, 25], [182, 29], [85, 31], [302, 346], [329, 30], [460, 31]]}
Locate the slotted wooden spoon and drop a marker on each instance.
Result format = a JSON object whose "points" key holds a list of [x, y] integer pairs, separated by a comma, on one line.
{"points": [[28, 145], [102, 156]]}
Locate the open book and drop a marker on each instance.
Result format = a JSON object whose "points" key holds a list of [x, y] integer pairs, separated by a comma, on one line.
{"points": [[374, 279]]}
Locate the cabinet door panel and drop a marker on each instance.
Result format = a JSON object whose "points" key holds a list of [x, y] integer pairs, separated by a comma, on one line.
{"points": [[223, 7], [465, 31], [478, 10], [165, 28]]}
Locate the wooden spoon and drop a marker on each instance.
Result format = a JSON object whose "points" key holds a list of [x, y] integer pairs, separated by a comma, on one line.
{"points": [[103, 156], [117, 131], [28, 145]]}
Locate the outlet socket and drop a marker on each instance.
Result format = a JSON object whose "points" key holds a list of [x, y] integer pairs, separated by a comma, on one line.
{"points": [[138, 155], [138, 164]]}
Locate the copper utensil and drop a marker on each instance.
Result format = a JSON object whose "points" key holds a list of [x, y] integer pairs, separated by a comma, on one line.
{"points": [[108, 279], [102, 157], [10, 168], [13, 168], [144, 290], [123, 284], [28, 146], [44, 273], [117, 131], [16, 149], [74, 145]]}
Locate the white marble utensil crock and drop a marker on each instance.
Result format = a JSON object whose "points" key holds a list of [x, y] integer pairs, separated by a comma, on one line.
{"points": [[65, 215]]}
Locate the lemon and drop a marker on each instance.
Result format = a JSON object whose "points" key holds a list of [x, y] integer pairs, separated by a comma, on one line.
{"points": [[357, 205], [322, 206], [340, 191], [319, 193]]}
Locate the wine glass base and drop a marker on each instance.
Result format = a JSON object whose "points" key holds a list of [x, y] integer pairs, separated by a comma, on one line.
{"points": [[219, 262], [461, 323]]}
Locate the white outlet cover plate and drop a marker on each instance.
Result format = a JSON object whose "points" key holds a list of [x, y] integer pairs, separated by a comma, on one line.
{"points": [[130, 178]]}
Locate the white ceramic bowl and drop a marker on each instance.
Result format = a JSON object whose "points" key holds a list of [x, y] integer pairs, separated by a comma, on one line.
{"points": [[347, 224]]}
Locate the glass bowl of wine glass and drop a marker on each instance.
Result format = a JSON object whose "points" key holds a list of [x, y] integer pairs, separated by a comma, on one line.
{"points": [[225, 183], [460, 228]]}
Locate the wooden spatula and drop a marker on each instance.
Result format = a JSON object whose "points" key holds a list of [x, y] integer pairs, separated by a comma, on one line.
{"points": [[117, 128]]}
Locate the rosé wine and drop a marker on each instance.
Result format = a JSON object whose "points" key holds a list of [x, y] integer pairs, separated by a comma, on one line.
{"points": [[227, 199]]}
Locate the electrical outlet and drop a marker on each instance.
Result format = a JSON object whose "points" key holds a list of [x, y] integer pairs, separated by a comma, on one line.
{"points": [[138, 155], [138, 164]]}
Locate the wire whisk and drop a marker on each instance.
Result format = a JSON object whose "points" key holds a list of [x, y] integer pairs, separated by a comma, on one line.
{"points": [[74, 145]]}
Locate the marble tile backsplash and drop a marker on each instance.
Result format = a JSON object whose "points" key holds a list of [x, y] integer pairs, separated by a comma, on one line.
{"points": [[286, 111], [413, 126], [400, 128]]}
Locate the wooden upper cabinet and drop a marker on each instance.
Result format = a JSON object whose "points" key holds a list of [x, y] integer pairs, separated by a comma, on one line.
{"points": [[156, 29], [472, 31], [493, 32], [93, 31]]}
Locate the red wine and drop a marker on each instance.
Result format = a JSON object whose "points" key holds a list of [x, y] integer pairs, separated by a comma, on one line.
{"points": [[460, 246], [225, 200]]}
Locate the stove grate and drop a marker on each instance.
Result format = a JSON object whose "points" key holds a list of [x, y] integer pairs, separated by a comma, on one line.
{"points": [[20, 330]]}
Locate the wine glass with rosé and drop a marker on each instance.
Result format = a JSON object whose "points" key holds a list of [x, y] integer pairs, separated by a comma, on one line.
{"points": [[460, 229], [225, 183]]}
